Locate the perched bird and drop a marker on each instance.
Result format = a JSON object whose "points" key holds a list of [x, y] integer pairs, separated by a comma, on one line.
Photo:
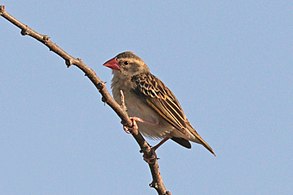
{"points": [[150, 103]]}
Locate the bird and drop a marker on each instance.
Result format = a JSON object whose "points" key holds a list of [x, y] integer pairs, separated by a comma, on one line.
{"points": [[150, 103]]}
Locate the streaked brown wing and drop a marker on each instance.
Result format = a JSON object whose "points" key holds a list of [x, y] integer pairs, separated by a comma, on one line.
{"points": [[161, 99]]}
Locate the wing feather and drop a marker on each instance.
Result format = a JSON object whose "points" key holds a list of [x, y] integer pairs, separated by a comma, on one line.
{"points": [[161, 99]]}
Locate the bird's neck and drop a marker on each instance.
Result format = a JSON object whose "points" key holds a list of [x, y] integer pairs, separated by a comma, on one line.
{"points": [[120, 83]]}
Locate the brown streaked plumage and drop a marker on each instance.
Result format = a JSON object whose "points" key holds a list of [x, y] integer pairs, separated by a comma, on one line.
{"points": [[147, 98]]}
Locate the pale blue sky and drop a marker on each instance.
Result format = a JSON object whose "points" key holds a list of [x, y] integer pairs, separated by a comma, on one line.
{"points": [[229, 63]]}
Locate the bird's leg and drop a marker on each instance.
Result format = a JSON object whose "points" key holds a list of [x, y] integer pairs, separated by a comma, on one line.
{"points": [[134, 125], [150, 159], [161, 142]]}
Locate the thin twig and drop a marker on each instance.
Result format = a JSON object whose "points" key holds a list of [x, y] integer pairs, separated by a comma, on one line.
{"points": [[157, 182], [123, 105]]}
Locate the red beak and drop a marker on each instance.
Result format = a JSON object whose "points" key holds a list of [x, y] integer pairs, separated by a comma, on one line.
{"points": [[113, 64]]}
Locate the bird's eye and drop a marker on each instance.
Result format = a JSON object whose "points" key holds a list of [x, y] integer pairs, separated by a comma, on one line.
{"points": [[125, 63]]}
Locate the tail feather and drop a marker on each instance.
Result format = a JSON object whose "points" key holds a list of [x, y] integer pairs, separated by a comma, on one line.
{"points": [[198, 139], [205, 144]]}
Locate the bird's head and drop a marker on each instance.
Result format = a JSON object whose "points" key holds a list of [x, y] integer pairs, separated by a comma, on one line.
{"points": [[127, 64]]}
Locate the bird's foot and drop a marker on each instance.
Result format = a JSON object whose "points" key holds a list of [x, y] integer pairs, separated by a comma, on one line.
{"points": [[150, 157], [134, 127]]}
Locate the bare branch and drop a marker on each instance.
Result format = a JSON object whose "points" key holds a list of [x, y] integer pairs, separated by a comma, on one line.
{"points": [[149, 155]]}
